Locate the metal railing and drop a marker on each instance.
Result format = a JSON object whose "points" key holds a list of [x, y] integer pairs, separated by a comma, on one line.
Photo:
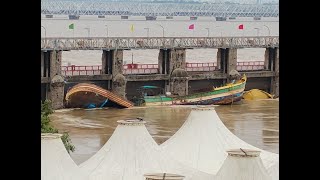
{"points": [[80, 70], [250, 66], [201, 67], [154, 68], [140, 69]]}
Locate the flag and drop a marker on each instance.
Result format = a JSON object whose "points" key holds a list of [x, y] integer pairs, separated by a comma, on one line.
{"points": [[132, 28], [240, 26], [191, 26], [71, 26]]}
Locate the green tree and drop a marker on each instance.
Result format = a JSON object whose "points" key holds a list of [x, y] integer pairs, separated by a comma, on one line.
{"points": [[46, 127]]}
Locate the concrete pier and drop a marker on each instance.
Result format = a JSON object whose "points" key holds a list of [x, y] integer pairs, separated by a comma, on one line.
{"points": [[54, 82]]}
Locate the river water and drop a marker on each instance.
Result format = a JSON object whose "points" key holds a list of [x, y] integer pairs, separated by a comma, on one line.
{"points": [[256, 122]]}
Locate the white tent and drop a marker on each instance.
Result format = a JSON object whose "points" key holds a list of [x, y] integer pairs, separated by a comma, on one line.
{"points": [[243, 164], [130, 153], [203, 140], [56, 163]]}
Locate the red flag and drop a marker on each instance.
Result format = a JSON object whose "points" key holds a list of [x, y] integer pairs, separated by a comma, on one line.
{"points": [[240, 26], [191, 26]]}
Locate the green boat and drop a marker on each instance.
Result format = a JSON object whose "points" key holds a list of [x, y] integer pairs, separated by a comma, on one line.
{"points": [[227, 94]]}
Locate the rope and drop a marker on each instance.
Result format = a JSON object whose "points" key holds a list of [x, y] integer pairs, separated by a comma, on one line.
{"points": [[244, 152], [164, 176]]}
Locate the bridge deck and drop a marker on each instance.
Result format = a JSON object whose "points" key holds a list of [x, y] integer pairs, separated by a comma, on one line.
{"points": [[106, 43]]}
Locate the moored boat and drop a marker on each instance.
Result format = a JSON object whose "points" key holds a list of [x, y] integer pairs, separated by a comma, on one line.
{"points": [[226, 94]]}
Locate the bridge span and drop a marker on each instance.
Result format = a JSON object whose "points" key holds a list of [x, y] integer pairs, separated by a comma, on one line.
{"points": [[172, 72], [105, 43]]}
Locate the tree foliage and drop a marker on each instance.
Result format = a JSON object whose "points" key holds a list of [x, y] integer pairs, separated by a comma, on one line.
{"points": [[46, 127]]}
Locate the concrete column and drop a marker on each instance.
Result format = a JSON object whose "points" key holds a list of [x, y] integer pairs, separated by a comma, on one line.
{"points": [[55, 63], [161, 61], [177, 59], [107, 61], [231, 59], [45, 56], [42, 64], [231, 64], [119, 84], [275, 80], [267, 58], [179, 86], [276, 61], [179, 82], [104, 61], [56, 94], [117, 63], [219, 58]]}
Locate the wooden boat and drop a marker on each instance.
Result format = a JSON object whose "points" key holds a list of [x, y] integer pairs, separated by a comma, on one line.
{"points": [[255, 94], [227, 94], [86, 95]]}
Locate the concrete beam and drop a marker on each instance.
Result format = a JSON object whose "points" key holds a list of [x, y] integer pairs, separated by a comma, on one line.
{"points": [[153, 77], [220, 75], [207, 75], [102, 77], [258, 74]]}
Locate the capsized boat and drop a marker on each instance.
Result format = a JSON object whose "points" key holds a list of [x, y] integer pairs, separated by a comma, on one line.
{"points": [[255, 94], [227, 94], [89, 96]]}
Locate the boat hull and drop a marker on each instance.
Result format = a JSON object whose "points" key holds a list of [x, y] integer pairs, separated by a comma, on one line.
{"points": [[84, 99], [85, 95], [225, 100], [224, 95]]}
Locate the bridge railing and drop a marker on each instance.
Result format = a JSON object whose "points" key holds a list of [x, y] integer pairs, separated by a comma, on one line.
{"points": [[101, 43], [250, 66], [201, 67], [143, 8], [154, 68], [80, 70], [140, 69]]}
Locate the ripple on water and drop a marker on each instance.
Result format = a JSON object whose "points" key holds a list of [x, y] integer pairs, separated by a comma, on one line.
{"points": [[255, 122]]}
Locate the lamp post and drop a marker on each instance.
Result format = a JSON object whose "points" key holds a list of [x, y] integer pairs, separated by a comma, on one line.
{"points": [[220, 31], [268, 29], [45, 32], [162, 30], [208, 29], [258, 30], [88, 31], [147, 31], [107, 30]]}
